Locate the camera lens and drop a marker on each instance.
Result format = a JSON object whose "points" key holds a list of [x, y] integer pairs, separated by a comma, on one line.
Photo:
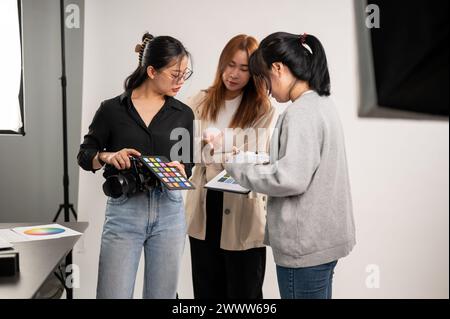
{"points": [[117, 185], [112, 187]]}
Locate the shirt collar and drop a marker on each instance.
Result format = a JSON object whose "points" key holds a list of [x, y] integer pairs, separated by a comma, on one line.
{"points": [[125, 99]]}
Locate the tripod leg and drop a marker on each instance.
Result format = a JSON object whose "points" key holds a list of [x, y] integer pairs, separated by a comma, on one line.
{"points": [[59, 212], [73, 212]]}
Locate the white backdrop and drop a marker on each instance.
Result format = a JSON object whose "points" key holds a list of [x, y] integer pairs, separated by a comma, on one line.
{"points": [[399, 169]]}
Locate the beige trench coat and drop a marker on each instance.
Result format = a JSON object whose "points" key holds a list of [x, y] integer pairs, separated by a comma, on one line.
{"points": [[244, 216]]}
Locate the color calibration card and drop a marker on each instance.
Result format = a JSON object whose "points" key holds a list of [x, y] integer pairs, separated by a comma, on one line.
{"points": [[170, 176], [225, 183]]}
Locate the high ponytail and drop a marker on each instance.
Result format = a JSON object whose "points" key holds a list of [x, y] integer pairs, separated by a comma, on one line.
{"points": [[157, 52]]}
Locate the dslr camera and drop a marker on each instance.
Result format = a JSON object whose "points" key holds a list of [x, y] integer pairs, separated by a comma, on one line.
{"points": [[137, 178]]}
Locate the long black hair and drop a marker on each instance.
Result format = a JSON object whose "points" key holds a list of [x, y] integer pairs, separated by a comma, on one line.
{"points": [[157, 52], [302, 54]]}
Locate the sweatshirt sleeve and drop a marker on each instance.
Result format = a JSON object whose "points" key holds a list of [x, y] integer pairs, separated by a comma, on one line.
{"points": [[292, 173]]}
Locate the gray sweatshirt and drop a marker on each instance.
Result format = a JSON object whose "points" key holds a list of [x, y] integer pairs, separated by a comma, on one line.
{"points": [[309, 210]]}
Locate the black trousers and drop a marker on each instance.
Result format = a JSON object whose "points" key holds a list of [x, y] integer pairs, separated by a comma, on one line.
{"points": [[223, 274]]}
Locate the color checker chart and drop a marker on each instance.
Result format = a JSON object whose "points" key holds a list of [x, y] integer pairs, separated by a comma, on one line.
{"points": [[170, 176]]}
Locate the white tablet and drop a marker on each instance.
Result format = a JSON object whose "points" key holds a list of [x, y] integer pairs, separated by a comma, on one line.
{"points": [[225, 183]]}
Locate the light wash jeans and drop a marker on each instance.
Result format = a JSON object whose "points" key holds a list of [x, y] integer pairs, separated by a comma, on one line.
{"points": [[306, 283], [153, 221]]}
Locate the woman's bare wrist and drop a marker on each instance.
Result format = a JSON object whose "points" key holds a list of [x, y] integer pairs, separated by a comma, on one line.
{"points": [[97, 162]]}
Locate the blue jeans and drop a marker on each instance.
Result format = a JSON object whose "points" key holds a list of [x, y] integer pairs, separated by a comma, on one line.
{"points": [[306, 283], [153, 221]]}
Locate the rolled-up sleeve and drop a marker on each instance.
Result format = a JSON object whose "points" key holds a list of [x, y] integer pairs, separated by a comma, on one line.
{"points": [[95, 141]]}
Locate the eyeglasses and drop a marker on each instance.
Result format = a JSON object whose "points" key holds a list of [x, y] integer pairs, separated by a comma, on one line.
{"points": [[177, 78]]}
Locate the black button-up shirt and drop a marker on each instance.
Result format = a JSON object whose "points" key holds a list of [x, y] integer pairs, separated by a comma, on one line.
{"points": [[118, 125]]}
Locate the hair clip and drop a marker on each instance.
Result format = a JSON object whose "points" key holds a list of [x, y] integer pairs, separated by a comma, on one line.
{"points": [[146, 40], [140, 48], [303, 43], [303, 38]]}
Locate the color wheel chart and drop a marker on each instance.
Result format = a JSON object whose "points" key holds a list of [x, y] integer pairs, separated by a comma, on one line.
{"points": [[40, 232], [47, 231]]}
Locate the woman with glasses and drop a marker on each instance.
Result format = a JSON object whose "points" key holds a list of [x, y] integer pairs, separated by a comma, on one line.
{"points": [[226, 230], [145, 120]]}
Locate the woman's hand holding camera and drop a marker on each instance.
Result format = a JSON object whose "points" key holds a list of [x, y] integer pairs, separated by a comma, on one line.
{"points": [[120, 159]]}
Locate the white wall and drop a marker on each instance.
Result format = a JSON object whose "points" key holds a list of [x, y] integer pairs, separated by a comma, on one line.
{"points": [[31, 166], [399, 169]]}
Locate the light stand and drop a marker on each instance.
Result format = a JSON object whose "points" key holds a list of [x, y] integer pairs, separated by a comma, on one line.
{"points": [[67, 206]]}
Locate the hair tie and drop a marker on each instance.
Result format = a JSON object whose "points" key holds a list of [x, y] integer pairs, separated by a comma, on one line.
{"points": [[303, 43]]}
